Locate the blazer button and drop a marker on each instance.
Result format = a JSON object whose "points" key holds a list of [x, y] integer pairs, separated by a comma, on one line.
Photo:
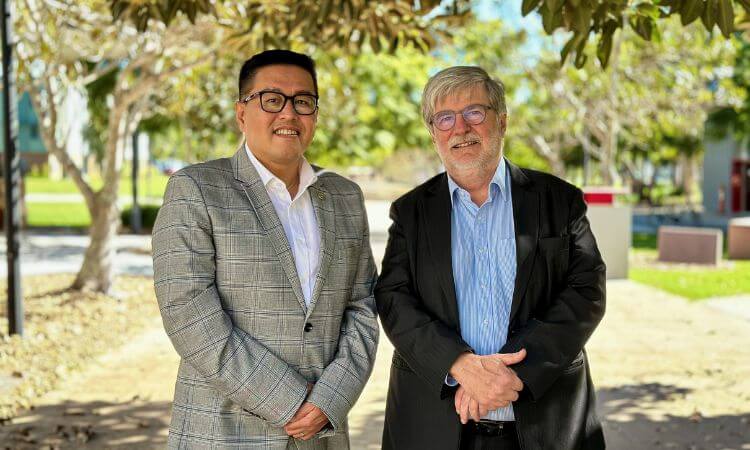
{"points": [[308, 327]]}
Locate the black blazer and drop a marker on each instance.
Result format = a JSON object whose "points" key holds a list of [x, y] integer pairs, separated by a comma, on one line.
{"points": [[558, 300]]}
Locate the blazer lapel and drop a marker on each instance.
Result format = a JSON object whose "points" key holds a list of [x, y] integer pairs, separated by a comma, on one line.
{"points": [[245, 173], [526, 222], [436, 220], [323, 205]]}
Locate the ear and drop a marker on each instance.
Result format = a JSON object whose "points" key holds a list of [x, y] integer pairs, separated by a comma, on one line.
{"points": [[503, 122], [239, 115]]}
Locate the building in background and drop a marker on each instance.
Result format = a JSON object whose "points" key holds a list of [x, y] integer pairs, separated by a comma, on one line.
{"points": [[726, 178]]}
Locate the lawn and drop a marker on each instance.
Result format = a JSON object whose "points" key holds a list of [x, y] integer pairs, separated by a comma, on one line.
{"points": [[58, 214], [151, 183], [694, 282]]}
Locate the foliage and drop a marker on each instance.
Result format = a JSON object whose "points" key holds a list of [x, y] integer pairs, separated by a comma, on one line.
{"points": [[67, 45], [345, 24], [148, 215], [581, 18], [369, 106]]}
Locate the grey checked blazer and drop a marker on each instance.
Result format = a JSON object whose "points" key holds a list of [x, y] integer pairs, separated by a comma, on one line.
{"points": [[232, 305]]}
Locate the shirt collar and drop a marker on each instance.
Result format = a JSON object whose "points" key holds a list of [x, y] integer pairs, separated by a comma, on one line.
{"points": [[498, 179], [307, 175]]}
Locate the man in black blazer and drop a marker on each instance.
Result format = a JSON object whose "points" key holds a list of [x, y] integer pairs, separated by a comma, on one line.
{"points": [[491, 285]]}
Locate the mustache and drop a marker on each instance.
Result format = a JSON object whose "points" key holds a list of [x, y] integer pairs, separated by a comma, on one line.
{"points": [[465, 138]]}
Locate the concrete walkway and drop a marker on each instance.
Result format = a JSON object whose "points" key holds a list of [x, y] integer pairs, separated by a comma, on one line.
{"points": [[670, 374]]}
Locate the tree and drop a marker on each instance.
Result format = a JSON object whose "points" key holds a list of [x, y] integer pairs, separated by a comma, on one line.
{"points": [[582, 18], [647, 107], [66, 44]]}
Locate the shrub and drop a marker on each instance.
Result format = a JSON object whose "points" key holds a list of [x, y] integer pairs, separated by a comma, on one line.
{"points": [[148, 215]]}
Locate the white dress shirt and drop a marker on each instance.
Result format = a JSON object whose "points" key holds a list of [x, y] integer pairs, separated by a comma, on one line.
{"points": [[297, 216]]}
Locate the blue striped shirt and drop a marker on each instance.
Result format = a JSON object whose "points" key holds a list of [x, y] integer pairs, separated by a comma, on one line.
{"points": [[483, 248]]}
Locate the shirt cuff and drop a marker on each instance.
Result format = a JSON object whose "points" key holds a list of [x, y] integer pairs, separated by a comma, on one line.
{"points": [[450, 381]]}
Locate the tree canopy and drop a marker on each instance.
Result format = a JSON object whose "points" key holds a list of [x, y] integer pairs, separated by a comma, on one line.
{"points": [[386, 23]]}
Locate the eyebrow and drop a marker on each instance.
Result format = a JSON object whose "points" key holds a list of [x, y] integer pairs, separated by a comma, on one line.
{"points": [[274, 89]]}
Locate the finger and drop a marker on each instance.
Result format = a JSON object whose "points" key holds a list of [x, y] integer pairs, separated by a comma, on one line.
{"points": [[516, 383], [457, 399], [464, 409], [512, 358], [474, 410]]}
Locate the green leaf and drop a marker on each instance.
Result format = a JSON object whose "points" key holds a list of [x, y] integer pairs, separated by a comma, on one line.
{"points": [[191, 10], [648, 10], [554, 5], [745, 4], [691, 10], [529, 5], [550, 20], [725, 18], [567, 48], [709, 15], [643, 26], [580, 58], [604, 49], [119, 7]]}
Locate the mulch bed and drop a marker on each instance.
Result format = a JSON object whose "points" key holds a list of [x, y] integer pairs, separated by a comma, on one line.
{"points": [[64, 330]]}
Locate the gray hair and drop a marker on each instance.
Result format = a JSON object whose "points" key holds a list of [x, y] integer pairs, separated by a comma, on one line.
{"points": [[453, 80]]}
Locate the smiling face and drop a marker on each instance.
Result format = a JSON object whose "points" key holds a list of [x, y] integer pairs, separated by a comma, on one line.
{"points": [[465, 148], [277, 139]]}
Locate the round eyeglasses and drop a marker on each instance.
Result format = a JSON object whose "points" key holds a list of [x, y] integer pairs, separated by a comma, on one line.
{"points": [[472, 114], [273, 102]]}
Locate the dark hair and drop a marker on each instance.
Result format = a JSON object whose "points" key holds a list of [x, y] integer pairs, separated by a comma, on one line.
{"points": [[271, 57]]}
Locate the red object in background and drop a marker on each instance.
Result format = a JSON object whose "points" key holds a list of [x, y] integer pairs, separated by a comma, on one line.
{"points": [[739, 184], [599, 198]]}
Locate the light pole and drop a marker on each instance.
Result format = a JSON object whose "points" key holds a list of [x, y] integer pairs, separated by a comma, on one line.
{"points": [[12, 175]]}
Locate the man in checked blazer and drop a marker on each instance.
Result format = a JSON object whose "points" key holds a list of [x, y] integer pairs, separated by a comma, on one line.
{"points": [[264, 276]]}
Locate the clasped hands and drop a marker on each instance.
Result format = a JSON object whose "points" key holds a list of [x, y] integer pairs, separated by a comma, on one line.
{"points": [[307, 421], [486, 383]]}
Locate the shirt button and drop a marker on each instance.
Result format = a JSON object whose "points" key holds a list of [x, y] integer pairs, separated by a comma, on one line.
{"points": [[486, 322], [308, 327]]}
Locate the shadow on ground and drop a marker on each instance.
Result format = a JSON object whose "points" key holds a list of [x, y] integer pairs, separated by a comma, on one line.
{"points": [[630, 424], [627, 411], [135, 424]]}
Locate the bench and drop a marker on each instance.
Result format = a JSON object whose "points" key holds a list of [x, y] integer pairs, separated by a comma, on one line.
{"points": [[690, 245], [738, 238]]}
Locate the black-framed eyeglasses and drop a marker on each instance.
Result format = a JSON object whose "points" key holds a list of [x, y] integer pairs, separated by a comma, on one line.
{"points": [[472, 114], [273, 102]]}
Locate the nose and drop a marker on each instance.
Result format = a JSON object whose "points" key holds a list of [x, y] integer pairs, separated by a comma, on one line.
{"points": [[461, 127], [288, 109]]}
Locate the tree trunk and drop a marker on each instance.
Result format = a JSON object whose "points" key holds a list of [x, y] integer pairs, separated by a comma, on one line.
{"points": [[96, 271]]}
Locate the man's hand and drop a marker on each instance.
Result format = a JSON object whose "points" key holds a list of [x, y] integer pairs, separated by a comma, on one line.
{"points": [[487, 380], [467, 407], [306, 422]]}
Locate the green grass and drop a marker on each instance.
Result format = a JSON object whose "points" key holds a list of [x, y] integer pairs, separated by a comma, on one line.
{"points": [[644, 241], [58, 214], [697, 283], [692, 282], [151, 183]]}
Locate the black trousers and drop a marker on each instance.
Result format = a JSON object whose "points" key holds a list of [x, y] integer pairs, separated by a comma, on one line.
{"points": [[472, 440]]}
